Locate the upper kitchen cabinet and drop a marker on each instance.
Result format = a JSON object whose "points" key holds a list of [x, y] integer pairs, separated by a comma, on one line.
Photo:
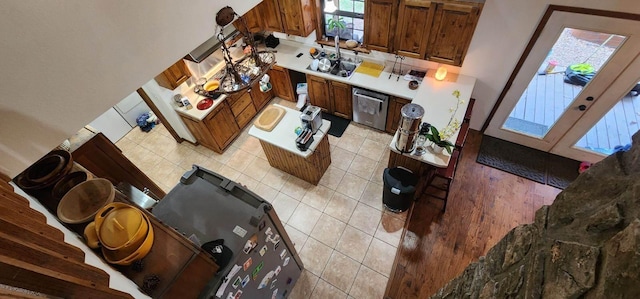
{"points": [[298, 16], [379, 24], [414, 24], [175, 75], [452, 30], [252, 19], [270, 16]]}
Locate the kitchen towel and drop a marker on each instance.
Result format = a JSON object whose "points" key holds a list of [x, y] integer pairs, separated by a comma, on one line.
{"points": [[367, 106]]}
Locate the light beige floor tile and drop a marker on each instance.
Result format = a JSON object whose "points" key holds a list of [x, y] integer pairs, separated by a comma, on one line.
{"points": [[204, 150], [178, 154], [315, 255], [257, 169], [192, 158], [172, 178], [328, 230], [295, 187], [376, 177], [212, 164], [262, 155], [368, 284], [340, 271], [324, 290], [224, 157], [390, 229], [160, 128], [341, 207], [229, 173], [357, 129], [341, 158], [304, 286], [378, 257], [284, 206], [297, 237], [136, 135], [372, 196], [379, 136], [304, 218], [163, 169], [251, 145], [354, 243], [125, 144], [247, 181], [266, 192], [362, 167], [333, 140], [159, 143], [240, 160], [352, 186], [350, 142], [385, 156], [332, 177], [275, 178], [372, 149], [318, 197], [365, 218]]}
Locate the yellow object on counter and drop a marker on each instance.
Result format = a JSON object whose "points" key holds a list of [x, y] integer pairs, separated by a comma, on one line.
{"points": [[370, 68]]}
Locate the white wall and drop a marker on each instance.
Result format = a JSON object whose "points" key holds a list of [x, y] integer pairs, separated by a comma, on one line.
{"points": [[503, 32], [63, 63]]}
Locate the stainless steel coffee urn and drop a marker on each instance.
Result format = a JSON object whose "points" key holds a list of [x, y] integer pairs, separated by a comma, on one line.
{"points": [[409, 127]]}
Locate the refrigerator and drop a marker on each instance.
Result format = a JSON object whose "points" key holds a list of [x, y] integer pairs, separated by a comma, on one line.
{"points": [[240, 229]]}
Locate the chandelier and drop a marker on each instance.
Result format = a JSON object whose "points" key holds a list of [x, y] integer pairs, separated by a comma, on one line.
{"points": [[244, 72]]}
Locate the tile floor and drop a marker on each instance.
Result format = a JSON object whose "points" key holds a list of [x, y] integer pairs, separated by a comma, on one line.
{"points": [[345, 238]]}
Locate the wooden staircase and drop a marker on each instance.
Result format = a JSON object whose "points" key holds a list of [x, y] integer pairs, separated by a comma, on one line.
{"points": [[34, 256]]}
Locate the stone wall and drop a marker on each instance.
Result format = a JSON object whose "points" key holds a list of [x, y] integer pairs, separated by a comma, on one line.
{"points": [[585, 245]]}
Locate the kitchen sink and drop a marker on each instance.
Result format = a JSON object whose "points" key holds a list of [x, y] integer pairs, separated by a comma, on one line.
{"points": [[342, 68]]}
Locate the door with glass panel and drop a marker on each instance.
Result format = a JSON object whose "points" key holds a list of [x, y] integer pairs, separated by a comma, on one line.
{"points": [[575, 59]]}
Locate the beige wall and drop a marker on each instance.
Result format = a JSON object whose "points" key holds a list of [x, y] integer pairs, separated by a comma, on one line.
{"points": [[63, 63], [503, 32]]}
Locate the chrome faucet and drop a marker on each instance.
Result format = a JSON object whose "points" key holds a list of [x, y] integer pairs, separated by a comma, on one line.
{"points": [[337, 41]]}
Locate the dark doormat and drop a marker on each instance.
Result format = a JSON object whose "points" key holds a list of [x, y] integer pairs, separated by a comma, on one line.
{"points": [[532, 164], [338, 124]]}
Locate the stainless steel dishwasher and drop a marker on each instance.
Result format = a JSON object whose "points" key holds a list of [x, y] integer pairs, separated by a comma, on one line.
{"points": [[370, 108]]}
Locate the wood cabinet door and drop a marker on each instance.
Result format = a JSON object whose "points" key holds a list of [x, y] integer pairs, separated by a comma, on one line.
{"points": [[414, 24], [451, 32], [318, 92], [297, 16], [342, 99], [174, 75], [379, 24], [281, 83], [222, 125], [270, 16], [260, 99], [393, 116], [201, 133]]}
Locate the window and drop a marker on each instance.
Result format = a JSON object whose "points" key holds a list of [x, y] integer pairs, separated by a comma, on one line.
{"points": [[351, 14]]}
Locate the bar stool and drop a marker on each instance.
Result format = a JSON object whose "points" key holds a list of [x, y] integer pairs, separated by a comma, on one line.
{"points": [[462, 136], [467, 113], [442, 178]]}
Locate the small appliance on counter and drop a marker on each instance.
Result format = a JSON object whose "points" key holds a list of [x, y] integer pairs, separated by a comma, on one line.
{"points": [[409, 127], [304, 140], [311, 118]]}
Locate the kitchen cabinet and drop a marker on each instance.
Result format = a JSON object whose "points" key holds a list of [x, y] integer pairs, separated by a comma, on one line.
{"points": [[270, 16], [379, 24], [259, 98], [414, 24], [216, 130], [242, 107], [342, 99], [331, 96], [252, 19], [281, 83], [393, 116], [452, 30], [295, 17], [175, 75]]}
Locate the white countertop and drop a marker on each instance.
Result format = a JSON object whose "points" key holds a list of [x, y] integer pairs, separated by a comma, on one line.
{"points": [[284, 135], [194, 98], [436, 97]]}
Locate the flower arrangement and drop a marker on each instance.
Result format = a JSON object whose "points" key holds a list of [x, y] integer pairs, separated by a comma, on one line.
{"points": [[440, 138]]}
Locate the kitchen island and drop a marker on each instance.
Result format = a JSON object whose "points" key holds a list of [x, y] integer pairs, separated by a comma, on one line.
{"points": [[280, 148]]}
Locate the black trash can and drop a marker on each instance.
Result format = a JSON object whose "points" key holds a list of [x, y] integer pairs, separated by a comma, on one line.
{"points": [[399, 188]]}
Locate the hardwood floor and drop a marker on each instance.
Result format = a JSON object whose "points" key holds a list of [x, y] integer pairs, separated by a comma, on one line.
{"points": [[484, 204]]}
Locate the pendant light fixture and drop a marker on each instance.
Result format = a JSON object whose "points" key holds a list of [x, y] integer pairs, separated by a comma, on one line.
{"points": [[330, 6], [241, 74]]}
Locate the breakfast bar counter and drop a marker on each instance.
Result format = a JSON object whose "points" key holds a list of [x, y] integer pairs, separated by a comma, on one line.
{"points": [[280, 147]]}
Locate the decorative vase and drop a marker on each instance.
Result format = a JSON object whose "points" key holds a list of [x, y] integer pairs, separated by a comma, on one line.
{"points": [[437, 149]]}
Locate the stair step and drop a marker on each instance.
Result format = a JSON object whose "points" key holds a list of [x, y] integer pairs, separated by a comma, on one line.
{"points": [[41, 239], [34, 226]]}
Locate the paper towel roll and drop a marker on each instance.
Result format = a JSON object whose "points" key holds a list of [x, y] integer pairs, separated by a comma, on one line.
{"points": [[302, 100]]}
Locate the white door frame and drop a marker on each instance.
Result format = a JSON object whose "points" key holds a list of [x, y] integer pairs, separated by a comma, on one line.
{"points": [[550, 32]]}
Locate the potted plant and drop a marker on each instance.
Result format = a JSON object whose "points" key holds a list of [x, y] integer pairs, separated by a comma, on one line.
{"points": [[438, 143], [336, 24]]}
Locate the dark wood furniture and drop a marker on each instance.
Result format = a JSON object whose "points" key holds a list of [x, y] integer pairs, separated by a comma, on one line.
{"points": [[331, 96], [469, 111], [102, 158], [453, 26], [216, 130], [281, 83], [295, 17], [393, 115], [175, 75], [414, 21], [309, 169], [442, 178], [379, 24]]}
